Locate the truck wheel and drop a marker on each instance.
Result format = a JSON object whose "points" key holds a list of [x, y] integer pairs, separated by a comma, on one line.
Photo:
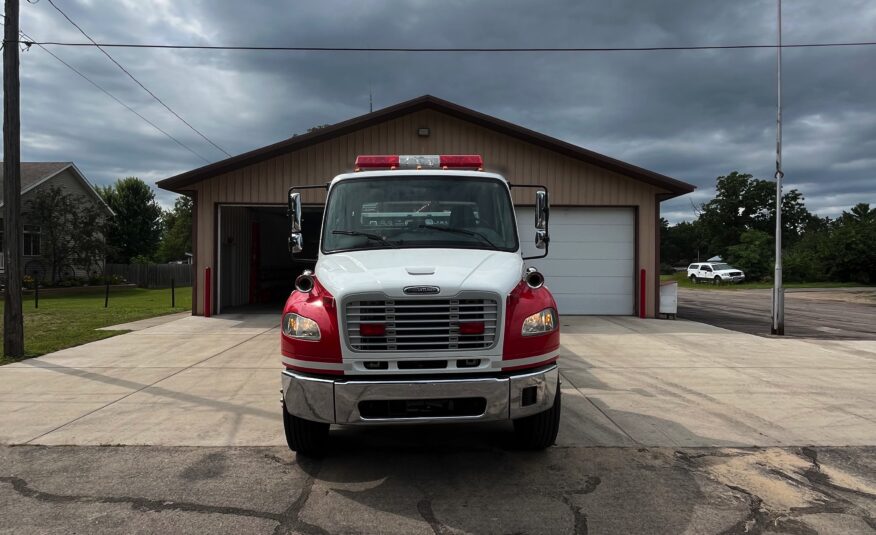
{"points": [[717, 279], [304, 436], [539, 431], [693, 279]]}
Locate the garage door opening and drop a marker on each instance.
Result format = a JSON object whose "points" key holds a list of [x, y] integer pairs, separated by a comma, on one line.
{"points": [[255, 271]]}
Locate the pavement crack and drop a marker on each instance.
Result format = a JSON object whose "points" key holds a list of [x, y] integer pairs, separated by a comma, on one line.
{"points": [[23, 488], [287, 521], [424, 507], [290, 519], [580, 518]]}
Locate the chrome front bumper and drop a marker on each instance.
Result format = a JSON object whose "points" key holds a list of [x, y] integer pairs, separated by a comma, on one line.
{"points": [[337, 401]]}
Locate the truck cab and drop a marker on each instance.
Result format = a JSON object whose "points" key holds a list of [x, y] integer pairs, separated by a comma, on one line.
{"points": [[420, 308]]}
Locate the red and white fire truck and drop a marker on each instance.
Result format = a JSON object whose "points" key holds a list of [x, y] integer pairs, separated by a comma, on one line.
{"points": [[420, 308]]}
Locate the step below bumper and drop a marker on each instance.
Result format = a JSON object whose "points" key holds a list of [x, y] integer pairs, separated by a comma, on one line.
{"points": [[411, 401]]}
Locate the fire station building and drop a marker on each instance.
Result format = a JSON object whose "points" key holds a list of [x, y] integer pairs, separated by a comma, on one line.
{"points": [[604, 222]]}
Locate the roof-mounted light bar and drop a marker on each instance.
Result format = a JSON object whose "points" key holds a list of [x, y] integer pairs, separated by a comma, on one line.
{"points": [[421, 161]]}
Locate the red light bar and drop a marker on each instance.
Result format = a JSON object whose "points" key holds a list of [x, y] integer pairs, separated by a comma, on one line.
{"points": [[468, 161], [376, 162], [428, 161]]}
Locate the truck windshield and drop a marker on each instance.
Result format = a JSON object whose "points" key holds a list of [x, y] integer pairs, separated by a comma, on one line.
{"points": [[410, 211]]}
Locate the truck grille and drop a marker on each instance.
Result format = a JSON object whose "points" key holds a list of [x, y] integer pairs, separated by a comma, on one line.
{"points": [[422, 324]]}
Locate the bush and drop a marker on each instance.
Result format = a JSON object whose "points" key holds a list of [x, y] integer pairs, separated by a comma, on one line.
{"points": [[753, 255], [100, 280]]}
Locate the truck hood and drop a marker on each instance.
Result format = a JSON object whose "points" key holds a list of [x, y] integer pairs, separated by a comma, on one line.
{"points": [[390, 271], [727, 271]]}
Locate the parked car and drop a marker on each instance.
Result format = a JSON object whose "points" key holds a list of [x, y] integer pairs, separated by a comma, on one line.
{"points": [[714, 272]]}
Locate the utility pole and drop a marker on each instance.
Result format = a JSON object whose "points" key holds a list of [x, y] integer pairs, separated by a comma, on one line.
{"points": [[778, 326], [13, 321]]}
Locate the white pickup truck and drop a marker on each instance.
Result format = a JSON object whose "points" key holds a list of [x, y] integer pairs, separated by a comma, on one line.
{"points": [[714, 272], [420, 309]]}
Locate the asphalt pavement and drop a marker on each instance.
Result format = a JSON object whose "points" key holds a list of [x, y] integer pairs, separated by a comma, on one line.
{"points": [[829, 314], [441, 482]]}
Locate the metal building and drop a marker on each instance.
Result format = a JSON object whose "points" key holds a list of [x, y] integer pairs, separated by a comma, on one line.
{"points": [[604, 219]]}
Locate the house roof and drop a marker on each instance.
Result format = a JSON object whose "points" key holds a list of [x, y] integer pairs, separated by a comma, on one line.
{"points": [[35, 173], [183, 182]]}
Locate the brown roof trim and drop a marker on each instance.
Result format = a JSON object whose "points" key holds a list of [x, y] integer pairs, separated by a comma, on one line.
{"points": [[181, 182]]}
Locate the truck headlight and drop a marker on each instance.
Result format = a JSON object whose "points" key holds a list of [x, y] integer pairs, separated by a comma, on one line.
{"points": [[295, 326], [540, 323]]}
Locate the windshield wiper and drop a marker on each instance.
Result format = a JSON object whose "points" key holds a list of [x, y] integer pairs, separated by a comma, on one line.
{"points": [[374, 237], [460, 231]]}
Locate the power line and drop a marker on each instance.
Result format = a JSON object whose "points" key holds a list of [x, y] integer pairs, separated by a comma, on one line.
{"points": [[131, 76], [453, 50], [130, 109]]}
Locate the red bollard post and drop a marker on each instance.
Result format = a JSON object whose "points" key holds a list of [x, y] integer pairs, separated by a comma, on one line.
{"points": [[207, 291], [642, 280]]}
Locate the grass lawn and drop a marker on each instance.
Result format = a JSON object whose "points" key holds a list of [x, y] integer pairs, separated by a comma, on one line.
{"points": [[71, 320], [684, 282]]}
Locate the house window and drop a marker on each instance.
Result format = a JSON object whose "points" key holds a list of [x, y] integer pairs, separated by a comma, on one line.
{"points": [[32, 240]]}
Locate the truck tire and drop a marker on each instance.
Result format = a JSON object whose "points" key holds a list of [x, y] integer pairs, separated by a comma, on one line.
{"points": [[717, 280], [693, 279], [539, 431], [304, 436]]}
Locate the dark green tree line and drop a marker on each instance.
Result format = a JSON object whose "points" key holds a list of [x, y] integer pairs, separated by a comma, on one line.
{"points": [[738, 224]]}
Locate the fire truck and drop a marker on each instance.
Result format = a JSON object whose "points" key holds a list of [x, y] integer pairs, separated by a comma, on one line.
{"points": [[420, 308]]}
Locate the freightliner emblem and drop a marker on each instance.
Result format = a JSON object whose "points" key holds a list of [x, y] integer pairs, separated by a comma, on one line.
{"points": [[421, 290]]}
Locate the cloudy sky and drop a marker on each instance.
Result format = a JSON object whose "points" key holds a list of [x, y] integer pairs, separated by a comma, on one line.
{"points": [[692, 115]]}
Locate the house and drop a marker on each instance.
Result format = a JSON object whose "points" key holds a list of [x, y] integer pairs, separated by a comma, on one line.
{"points": [[605, 214], [42, 176]]}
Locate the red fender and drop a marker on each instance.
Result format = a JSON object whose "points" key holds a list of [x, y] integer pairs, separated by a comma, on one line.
{"points": [[522, 302]]}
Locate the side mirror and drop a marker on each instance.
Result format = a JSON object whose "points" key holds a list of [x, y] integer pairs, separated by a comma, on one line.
{"points": [[542, 215], [542, 210], [296, 243], [541, 239], [296, 240]]}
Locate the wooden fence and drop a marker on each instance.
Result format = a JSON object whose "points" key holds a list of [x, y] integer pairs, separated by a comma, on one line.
{"points": [[153, 275]]}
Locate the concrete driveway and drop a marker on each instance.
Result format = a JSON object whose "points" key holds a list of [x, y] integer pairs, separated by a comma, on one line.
{"points": [[627, 382]]}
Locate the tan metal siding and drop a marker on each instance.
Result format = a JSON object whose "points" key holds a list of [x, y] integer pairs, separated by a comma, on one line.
{"points": [[571, 182]]}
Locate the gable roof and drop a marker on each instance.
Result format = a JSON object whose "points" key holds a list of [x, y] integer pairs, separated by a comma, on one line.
{"points": [[183, 181], [34, 174]]}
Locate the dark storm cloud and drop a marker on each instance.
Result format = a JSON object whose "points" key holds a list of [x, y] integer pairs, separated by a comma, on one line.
{"points": [[690, 115]]}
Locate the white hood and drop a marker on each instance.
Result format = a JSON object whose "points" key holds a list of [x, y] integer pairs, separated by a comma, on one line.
{"points": [[389, 271]]}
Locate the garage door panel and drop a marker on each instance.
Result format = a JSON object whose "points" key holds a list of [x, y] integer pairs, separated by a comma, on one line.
{"points": [[588, 233], [609, 305], [591, 285], [575, 251], [578, 268], [591, 266]]}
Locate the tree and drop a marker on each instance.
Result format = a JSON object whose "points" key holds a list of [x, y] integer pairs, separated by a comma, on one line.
{"points": [[850, 248], [176, 237], [71, 231], [744, 203], [753, 254], [136, 229], [683, 243]]}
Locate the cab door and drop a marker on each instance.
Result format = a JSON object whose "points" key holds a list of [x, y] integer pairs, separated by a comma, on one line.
{"points": [[706, 272]]}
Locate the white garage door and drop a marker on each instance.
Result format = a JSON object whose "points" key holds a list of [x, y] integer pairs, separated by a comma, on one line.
{"points": [[591, 265]]}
